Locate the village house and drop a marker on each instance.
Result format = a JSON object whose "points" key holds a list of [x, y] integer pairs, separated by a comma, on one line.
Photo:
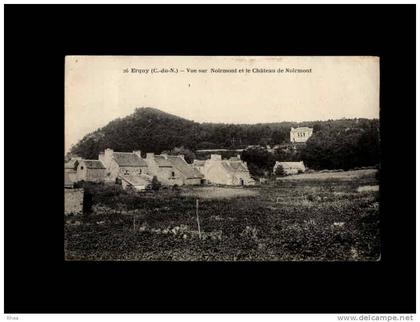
{"points": [[162, 168], [130, 169], [227, 172], [188, 174], [70, 171], [300, 134], [90, 170], [127, 168], [122, 164], [290, 167]]}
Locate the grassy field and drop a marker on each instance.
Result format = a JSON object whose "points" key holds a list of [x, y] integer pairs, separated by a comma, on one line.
{"points": [[313, 217]]}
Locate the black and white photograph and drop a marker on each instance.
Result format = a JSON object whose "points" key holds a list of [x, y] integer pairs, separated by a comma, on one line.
{"points": [[222, 158], [238, 162]]}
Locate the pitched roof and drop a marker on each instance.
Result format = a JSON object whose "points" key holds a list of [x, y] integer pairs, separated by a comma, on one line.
{"points": [[134, 180], [162, 161], [296, 165], [227, 167], [303, 128], [238, 166], [93, 164], [71, 164], [128, 159], [199, 163], [186, 169]]}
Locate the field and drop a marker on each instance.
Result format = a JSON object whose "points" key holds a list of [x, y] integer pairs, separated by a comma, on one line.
{"points": [[331, 216]]}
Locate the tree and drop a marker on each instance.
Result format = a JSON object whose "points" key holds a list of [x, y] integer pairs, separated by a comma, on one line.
{"points": [[279, 171], [259, 160], [342, 148], [189, 156]]}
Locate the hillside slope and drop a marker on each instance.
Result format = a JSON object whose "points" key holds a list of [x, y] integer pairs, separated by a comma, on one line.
{"points": [[151, 130]]}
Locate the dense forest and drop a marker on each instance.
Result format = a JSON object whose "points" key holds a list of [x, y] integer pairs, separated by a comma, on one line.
{"points": [[335, 144]]}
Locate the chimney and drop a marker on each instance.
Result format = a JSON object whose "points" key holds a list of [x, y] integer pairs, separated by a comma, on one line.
{"points": [[150, 155], [238, 156], [106, 157], [138, 153]]}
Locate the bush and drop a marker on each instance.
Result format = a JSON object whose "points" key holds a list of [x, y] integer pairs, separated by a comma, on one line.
{"points": [[156, 184], [279, 171]]}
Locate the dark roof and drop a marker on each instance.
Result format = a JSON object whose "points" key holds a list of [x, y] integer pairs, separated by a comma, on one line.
{"points": [[93, 164], [162, 161], [128, 159], [186, 169]]}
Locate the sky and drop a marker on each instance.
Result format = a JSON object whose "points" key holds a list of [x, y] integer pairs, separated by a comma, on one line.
{"points": [[99, 89]]}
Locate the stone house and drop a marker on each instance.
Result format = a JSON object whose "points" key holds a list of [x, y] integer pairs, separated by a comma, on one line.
{"points": [[290, 167], [68, 183], [70, 171], [188, 174], [300, 134], [91, 170], [163, 169], [227, 172], [121, 164]]}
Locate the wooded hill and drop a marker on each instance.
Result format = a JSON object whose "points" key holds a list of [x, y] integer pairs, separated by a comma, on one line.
{"points": [[151, 130]]}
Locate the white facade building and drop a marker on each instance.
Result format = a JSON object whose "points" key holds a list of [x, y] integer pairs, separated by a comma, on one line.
{"points": [[300, 134]]}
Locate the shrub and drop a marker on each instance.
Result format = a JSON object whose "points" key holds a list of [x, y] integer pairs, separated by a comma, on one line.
{"points": [[279, 171], [156, 184]]}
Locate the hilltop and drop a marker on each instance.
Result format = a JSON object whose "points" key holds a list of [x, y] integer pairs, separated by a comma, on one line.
{"points": [[152, 130]]}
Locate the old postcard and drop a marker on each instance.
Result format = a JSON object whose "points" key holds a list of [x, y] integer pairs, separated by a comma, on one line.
{"points": [[216, 158]]}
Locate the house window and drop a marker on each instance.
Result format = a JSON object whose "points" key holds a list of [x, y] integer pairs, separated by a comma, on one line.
{"points": [[173, 174], [139, 171], [126, 172], [81, 168]]}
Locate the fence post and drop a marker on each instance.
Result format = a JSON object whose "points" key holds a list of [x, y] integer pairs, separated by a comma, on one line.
{"points": [[198, 219]]}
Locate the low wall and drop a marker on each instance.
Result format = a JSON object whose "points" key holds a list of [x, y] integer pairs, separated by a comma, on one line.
{"points": [[73, 201]]}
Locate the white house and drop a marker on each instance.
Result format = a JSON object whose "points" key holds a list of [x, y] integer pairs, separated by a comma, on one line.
{"points": [[91, 170], [300, 134], [120, 164], [227, 172], [290, 167]]}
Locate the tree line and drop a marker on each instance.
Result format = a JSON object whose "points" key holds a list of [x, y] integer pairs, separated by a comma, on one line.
{"points": [[335, 144]]}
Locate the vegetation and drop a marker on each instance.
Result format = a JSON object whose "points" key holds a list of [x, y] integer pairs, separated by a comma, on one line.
{"points": [[189, 156], [336, 148], [279, 172], [335, 144], [260, 162], [155, 184], [319, 217]]}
